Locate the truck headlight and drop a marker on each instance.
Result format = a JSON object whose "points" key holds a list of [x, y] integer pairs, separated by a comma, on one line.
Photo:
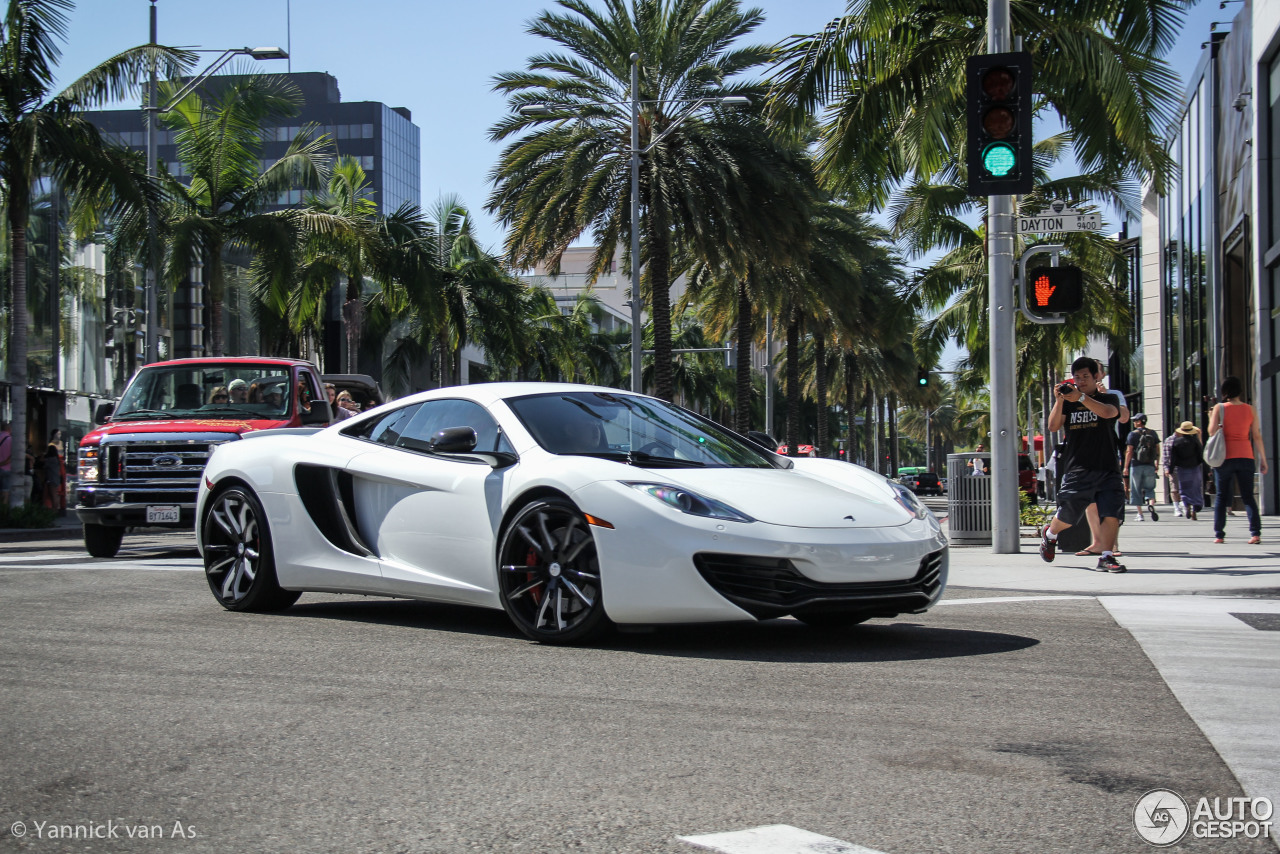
{"points": [[87, 467]]}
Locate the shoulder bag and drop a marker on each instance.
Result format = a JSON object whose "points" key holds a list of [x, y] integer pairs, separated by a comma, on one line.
{"points": [[1215, 450]]}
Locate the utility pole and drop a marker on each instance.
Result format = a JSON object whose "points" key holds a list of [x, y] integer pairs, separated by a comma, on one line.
{"points": [[1004, 413], [151, 313]]}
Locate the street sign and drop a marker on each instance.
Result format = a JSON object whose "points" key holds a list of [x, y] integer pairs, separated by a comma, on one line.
{"points": [[1058, 217]]}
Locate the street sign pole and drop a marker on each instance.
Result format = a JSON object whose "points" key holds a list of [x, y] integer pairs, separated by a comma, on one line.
{"points": [[1004, 417]]}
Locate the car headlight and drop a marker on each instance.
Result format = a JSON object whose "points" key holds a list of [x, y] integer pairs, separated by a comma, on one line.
{"points": [[908, 500], [88, 464], [689, 502]]}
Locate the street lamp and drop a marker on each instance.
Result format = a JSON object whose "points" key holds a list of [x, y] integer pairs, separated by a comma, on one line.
{"points": [[153, 110], [695, 104]]}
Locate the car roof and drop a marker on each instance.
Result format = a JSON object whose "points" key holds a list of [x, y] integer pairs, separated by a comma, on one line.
{"points": [[219, 360]]}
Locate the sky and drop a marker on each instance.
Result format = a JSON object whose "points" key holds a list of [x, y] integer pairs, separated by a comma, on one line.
{"points": [[438, 58]]}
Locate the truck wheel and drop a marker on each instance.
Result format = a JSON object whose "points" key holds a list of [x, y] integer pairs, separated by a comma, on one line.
{"points": [[102, 540]]}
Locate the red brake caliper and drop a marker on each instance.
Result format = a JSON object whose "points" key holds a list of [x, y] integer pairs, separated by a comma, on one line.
{"points": [[531, 559]]}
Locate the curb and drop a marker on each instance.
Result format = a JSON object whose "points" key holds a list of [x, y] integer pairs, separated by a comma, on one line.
{"points": [[27, 535]]}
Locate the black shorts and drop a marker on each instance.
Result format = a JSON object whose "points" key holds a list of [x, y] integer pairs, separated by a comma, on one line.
{"points": [[1082, 487]]}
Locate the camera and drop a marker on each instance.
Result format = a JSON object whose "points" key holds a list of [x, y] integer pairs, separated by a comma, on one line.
{"points": [[1065, 389]]}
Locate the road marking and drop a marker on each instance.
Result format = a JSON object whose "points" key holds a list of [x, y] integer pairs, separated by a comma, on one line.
{"points": [[989, 599], [775, 839]]}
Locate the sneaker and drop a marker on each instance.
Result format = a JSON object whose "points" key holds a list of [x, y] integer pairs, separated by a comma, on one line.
{"points": [[1255, 539], [1048, 549], [1141, 518], [1108, 563], [1177, 510], [1219, 540], [1155, 517]]}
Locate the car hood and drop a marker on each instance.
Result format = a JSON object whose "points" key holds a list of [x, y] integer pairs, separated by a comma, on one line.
{"points": [[836, 495], [184, 425]]}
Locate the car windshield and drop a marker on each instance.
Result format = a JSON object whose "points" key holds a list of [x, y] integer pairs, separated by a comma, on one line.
{"points": [[634, 429], [231, 390]]}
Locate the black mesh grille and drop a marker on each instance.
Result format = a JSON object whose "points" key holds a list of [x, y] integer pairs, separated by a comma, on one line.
{"points": [[769, 587]]}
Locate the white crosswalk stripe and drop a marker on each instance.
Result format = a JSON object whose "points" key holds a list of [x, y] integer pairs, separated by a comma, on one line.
{"points": [[775, 839]]}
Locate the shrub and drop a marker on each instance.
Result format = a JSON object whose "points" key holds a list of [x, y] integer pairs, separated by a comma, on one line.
{"points": [[26, 516]]}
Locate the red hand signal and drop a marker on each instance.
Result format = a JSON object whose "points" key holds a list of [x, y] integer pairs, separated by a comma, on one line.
{"points": [[1044, 290]]}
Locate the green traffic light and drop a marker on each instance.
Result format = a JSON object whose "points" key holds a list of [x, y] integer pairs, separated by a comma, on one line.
{"points": [[999, 159]]}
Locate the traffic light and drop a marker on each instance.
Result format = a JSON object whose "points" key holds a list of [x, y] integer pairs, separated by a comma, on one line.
{"points": [[1054, 290], [998, 93], [922, 377]]}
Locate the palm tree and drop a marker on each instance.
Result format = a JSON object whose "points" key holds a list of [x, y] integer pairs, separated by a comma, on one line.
{"points": [[224, 205], [45, 134], [890, 76], [710, 183]]}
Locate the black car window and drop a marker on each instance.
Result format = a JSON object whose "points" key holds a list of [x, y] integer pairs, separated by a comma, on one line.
{"points": [[435, 415], [387, 429]]}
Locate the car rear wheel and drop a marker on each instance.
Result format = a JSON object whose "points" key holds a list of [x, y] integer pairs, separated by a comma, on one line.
{"points": [[549, 574], [238, 559], [102, 540]]}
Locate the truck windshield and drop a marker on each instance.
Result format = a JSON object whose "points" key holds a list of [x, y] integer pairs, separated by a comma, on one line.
{"points": [[231, 390]]}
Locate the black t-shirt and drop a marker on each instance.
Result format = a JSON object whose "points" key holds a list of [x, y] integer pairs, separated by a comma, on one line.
{"points": [[1091, 440]]}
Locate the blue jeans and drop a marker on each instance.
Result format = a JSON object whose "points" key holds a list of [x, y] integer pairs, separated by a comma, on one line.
{"points": [[1240, 470]]}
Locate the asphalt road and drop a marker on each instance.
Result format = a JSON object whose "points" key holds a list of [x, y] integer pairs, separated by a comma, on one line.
{"points": [[349, 724]]}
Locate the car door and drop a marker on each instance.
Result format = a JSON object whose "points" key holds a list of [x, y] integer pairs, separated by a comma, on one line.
{"points": [[431, 518]]}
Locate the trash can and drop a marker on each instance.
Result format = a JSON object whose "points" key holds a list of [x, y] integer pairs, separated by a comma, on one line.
{"points": [[969, 498]]}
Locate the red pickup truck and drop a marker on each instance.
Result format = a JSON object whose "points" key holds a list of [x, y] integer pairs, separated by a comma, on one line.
{"points": [[142, 466]]}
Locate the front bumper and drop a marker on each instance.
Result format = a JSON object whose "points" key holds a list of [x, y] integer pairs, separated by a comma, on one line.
{"points": [[116, 506], [662, 566]]}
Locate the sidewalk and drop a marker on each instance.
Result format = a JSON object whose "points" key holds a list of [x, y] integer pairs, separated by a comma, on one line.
{"points": [[1174, 555], [64, 527]]}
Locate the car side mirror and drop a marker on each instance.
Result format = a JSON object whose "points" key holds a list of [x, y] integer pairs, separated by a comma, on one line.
{"points": [[103, 412], [454, 440], [320, 413]]}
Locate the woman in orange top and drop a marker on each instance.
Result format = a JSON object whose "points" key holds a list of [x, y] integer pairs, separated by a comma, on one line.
{"points": [[1239, 423]]}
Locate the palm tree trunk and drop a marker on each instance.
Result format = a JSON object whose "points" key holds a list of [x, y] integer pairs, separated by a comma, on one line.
{"points": [[742, 391], [216, 292], [659, 269], [850, 387], [893, 434], [868, 421], [820, 357], [353, 319], [793, 380], [18, 354]]}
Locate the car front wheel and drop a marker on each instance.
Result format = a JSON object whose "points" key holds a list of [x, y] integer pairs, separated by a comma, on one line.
{"points": [[549, 574], [238, 558], [102, 540]]}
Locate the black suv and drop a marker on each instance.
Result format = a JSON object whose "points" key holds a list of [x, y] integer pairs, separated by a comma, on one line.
{"points": [[926, 483]]}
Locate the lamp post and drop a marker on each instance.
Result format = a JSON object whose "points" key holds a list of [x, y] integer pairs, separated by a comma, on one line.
{"points": [[153, 110], [635, 303]]}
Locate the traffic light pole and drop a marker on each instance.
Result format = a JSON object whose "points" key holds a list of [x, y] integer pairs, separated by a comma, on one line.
{"points": [[1005, 511]]}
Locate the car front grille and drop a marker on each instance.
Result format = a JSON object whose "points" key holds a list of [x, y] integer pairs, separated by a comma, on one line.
{"points": [[772, 587], [161, 470]]}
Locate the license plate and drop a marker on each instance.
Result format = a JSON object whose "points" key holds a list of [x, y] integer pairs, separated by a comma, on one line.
{"points": [[163, 514]]}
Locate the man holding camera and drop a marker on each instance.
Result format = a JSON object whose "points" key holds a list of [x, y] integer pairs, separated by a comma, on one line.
{"points": [[1091, 466]]}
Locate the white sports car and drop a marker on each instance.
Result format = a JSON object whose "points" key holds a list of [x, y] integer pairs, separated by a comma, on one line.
{"points": [[571, 507]]}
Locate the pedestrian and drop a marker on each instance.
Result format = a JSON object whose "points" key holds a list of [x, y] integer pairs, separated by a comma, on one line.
{"points": [[1091, 512], [1187, 458], [55, 474], [6, 460], [1242, 430], [1141, 457], [1090, 466], [340, 413], [1170, 476]]}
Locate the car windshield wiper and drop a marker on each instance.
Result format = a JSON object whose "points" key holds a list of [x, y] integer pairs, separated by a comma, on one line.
{"points": [[641, 458], [229, 410], [144, 413]]}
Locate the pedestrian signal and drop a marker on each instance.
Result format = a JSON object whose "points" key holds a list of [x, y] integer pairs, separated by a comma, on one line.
{"points": [[998, 93], [1054, 290]]}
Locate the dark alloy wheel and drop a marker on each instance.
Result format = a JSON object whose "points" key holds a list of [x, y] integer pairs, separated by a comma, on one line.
{"points": [[238, 559], [549, 574], [102, 540]]}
